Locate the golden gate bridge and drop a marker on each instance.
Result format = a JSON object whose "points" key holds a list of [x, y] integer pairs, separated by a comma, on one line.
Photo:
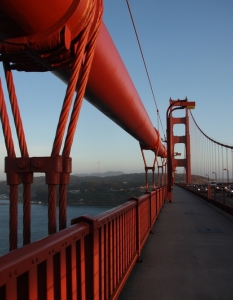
{"points": [[92, 258]]}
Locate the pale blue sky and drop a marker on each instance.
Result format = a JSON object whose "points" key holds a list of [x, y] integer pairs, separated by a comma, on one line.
{"points": [[188, 48]]}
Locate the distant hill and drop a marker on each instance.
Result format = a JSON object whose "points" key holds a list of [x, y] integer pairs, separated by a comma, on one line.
{"points": [[106, 174], [110, 188]]}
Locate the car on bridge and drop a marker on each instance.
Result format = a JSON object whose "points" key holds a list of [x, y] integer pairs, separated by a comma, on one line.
{"points": [[202, 188], [229, 190], [213, 184], [220, 186]]}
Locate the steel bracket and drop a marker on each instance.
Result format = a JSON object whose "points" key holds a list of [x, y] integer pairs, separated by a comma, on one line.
{"points": [[21, 169]]}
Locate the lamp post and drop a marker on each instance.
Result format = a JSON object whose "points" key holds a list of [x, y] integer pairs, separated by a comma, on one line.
{"points": [[208, 177], [215, 175], [179, 104], [227, 174]]}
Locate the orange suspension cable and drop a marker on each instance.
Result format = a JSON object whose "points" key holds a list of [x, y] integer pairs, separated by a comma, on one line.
{"points": [[82, 86], [64, 117], [6, 125], [15, 178], [27, 178], [74, 116], [15, 110]]}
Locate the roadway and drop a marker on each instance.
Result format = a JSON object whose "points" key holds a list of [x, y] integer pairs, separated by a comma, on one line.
{"points": [[188, 256], [220, 196]]}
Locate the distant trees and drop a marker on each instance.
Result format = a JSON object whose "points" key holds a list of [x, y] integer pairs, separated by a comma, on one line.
{"points": [[112, 190]]}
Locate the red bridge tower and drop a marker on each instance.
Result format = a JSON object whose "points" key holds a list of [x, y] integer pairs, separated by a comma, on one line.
{"points": [[173, 163]]}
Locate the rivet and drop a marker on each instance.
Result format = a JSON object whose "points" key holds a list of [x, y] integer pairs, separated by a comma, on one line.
{"points": [[38, 164], [22, 164]]}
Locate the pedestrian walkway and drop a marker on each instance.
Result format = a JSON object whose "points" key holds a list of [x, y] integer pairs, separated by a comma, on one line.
{"points": [[188, 256]]}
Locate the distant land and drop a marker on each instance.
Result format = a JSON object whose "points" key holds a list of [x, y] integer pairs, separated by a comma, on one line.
{"points": [[105, 174], [109, 188]]}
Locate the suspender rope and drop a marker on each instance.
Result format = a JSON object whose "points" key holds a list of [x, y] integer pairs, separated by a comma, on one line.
{"points": [[27, 177], [57, 168], [13, 180], [64, 178], [74, 118]]}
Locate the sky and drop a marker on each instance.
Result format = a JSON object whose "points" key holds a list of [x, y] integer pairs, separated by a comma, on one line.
{"points": [[188, 49]]}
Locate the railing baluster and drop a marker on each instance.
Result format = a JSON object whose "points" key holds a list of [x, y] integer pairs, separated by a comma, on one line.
{"points": [[63, 289], [11, 289], [102, 262], [49, 278], [91, 259], [33, 288], [107, 279], [111, 257], [83, 276], [74, 266]]}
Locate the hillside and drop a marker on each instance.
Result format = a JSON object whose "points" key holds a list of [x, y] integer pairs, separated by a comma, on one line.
{"points": [[94, 190], [90, 190]]}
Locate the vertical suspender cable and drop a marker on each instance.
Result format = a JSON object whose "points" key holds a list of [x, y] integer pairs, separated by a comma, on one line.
{"points": [[227, 166], [215, 158], [76, 111], [64, 117], [218, 157], [231, 165], [27, 178], [222, 163], [13, 187]]}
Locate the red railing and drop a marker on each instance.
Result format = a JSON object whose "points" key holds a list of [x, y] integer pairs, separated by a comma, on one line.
{"points": [[91, 259], [210, 196]]}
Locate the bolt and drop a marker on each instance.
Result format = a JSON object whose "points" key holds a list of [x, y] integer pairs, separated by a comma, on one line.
{"points": [[22, 164], [38, 164]]}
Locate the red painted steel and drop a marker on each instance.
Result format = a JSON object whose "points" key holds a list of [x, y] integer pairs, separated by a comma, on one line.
{"points": [[91, 259], [172, 140], [114, 94], [48, 32]]}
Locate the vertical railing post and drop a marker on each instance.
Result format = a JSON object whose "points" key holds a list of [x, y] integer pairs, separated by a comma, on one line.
{"points": [[151, 218], [138, 227], [91, 256]]}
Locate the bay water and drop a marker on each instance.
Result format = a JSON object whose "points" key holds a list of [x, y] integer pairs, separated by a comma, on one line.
{"points": [[39, 220]]}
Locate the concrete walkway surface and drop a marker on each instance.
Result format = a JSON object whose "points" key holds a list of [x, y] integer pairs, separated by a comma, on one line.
{"points": [[188, 256]]}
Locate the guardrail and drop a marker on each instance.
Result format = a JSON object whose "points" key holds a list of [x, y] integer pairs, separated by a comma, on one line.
{"points": [[91, 259], [218, 199]]}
